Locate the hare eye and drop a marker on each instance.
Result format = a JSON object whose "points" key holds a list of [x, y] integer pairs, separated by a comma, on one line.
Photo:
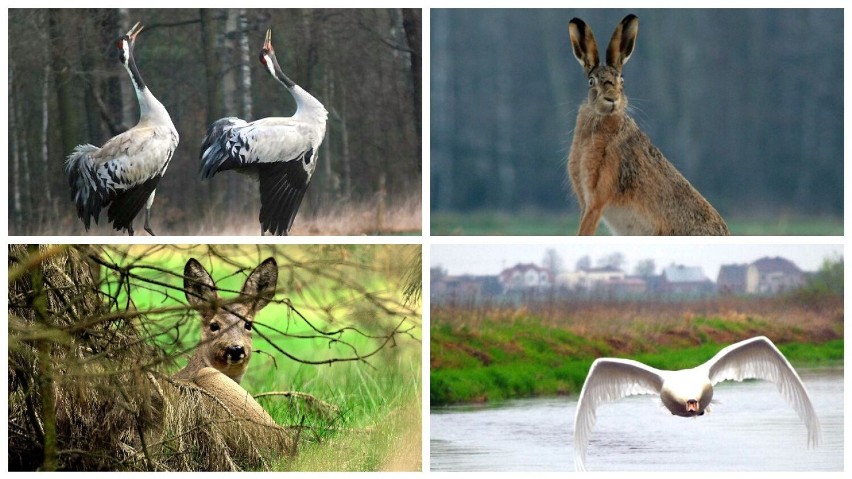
{"points": [[248, 325], [621, 79], [591, 81], [214, 327]]}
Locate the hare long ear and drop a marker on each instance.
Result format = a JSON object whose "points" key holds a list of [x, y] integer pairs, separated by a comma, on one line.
{"points": [[261, 284], [584, 45], [622, 43], [198, 285]]}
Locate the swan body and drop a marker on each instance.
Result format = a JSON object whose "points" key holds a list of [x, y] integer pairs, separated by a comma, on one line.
{"points": [[688, 392]]}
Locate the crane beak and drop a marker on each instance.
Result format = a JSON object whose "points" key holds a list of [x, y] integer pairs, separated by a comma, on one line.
{"points": [[267, 45], [134, 32]]}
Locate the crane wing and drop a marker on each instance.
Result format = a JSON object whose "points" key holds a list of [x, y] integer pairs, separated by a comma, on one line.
{"points": [[232, 143], [758, 358], [609, 380], [123, 173], [282, 187]]}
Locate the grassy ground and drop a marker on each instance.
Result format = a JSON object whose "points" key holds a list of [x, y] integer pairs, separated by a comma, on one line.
{"points": [[502, 353], [399, 217], [352, 416], [559, 224]]}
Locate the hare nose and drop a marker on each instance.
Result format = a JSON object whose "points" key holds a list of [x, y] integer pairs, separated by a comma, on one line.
{"points": [[235, 353]]}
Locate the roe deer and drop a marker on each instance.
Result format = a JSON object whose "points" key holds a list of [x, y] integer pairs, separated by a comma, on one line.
{"points": [[221, 358], [616, 172]]}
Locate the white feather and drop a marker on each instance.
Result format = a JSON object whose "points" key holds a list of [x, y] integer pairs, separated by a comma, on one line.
{"points": [[757, 358]]}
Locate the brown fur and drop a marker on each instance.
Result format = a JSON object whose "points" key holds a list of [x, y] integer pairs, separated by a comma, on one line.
{"points": [[227, 325], [616, 172]]}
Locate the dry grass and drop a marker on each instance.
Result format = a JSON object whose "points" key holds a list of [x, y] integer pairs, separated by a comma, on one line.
{"points": [[375, 217], [113, 408], [627, 324]]}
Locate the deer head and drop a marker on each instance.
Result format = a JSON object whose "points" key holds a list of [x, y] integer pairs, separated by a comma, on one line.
{"points": [[226, 326]]}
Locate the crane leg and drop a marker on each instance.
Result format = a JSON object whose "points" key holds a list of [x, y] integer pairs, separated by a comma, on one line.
{"points": [[148, 213], [147, 226]]}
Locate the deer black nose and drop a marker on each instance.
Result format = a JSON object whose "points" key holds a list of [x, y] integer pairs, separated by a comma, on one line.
{"points": [[235, 353]]}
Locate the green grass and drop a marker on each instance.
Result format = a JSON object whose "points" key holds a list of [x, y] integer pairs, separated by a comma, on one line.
{"points": [[490, 223], [486, 223], [522, 359], [374, 406]]}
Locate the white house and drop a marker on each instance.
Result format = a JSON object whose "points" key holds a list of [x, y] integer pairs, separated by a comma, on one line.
{"points": [[526, 276]]}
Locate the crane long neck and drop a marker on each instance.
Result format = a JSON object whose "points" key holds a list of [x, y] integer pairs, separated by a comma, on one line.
{"points": [[135, 77], [307, 106], [150, 109]]}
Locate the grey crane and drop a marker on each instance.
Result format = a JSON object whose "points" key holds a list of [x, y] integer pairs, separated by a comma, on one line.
{"points": [[280, 152], [124, 173]]}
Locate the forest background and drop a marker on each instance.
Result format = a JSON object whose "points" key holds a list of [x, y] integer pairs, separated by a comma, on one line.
{"points": [[67, 87]]}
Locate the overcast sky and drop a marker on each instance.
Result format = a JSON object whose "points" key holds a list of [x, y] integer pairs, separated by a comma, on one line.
{"points": [[490, 259]]}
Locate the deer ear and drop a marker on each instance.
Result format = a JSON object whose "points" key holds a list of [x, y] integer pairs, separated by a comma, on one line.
{"points": [[261, 284], [198, 285]]}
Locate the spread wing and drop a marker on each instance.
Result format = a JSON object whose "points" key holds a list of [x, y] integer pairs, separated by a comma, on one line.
{"points": [[609, 380], [282, 187], [758, 358]]}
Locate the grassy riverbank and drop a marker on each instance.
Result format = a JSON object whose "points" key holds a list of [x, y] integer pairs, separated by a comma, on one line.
{"points": [[500, 354]]}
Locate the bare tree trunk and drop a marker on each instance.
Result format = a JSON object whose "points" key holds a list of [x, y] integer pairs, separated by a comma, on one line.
{"points": [[109, 92], [91, 83], [47, 175], [129, 115], [344, 139], [411, 23], [246, 58], [245, 66], [44, 371], [332, 187], [214, 104], [212, 65], [16, 157], [310, 25], [230, 52], [25, 178], [68, 118]]}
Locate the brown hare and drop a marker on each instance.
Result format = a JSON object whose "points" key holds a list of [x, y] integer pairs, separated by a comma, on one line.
{"points": [[616, 172]]}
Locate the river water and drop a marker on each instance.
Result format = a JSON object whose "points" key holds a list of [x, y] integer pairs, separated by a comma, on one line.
{"points": [[749, 428]]}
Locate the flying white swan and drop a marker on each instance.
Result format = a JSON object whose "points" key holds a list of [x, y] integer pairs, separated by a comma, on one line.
{"points": [[688, 392]]}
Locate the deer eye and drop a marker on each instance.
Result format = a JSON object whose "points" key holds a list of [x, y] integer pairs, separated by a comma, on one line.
{"points": [[214, 327], [248, 325]]}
